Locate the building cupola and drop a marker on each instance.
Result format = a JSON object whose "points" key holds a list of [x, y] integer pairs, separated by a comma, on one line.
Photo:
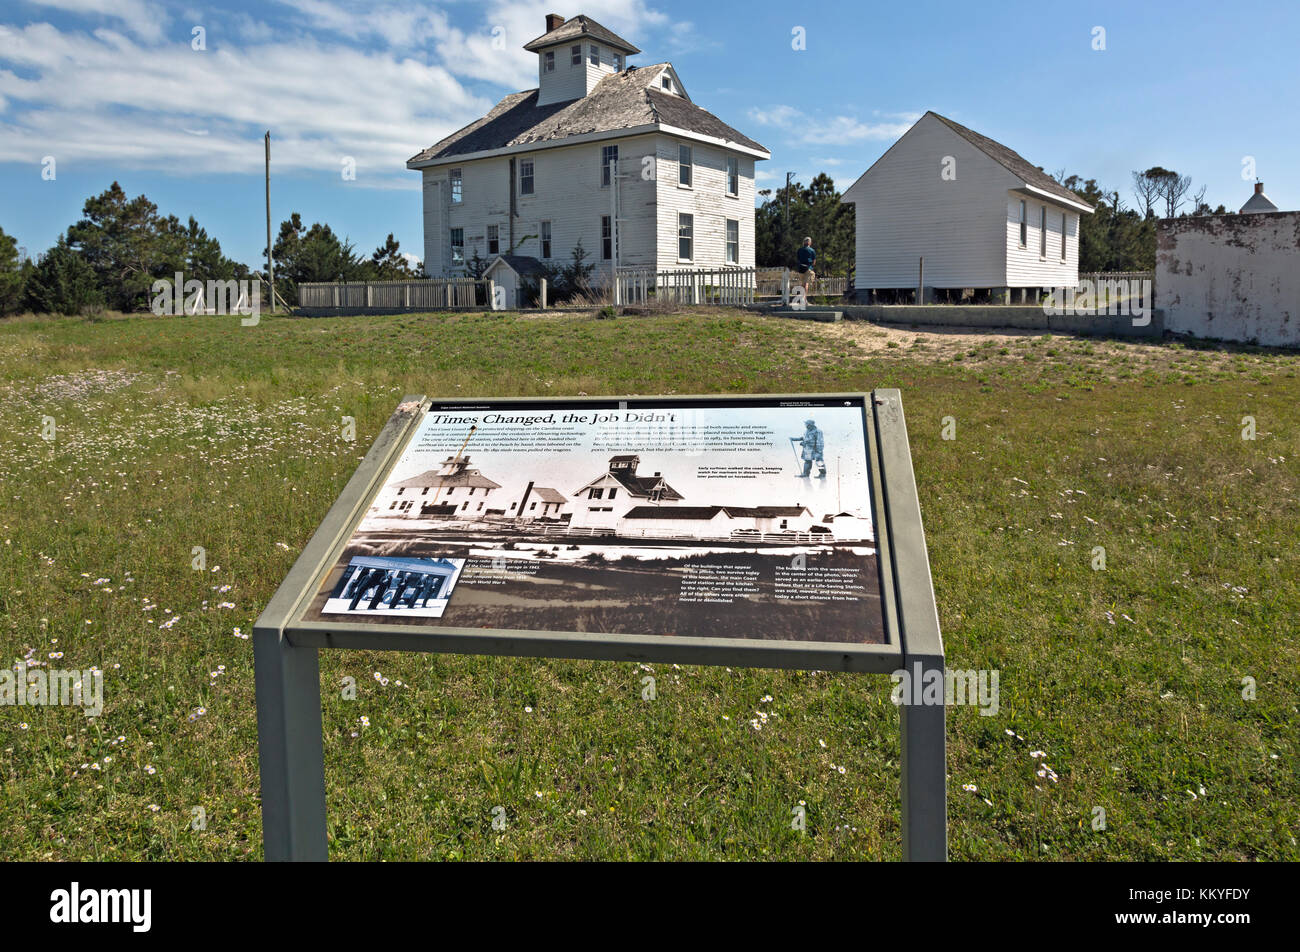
{"points": [[574, 55]]}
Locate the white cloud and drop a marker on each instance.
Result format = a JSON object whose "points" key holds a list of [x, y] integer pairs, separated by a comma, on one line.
{"points": [[105, 97], [142, 19], [491, 51], [838, 130], [331, 79]]}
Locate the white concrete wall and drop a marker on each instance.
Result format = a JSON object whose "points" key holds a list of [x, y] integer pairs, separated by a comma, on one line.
{"points": [[1028, 267], [707, 200], [1231, 277]]}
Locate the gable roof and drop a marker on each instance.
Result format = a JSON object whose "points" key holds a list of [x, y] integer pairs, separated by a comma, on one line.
{"points": [[431, 478], [546, 494], [577, 28], [519, 264], [1013, 162], [620, 101]]}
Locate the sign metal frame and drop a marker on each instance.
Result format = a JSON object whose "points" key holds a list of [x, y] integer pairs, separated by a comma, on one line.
{"points": [[287, 662]]}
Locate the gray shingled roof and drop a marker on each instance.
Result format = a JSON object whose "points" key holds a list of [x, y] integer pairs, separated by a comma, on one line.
{"points": [[577, 28], [672, 512], [521, 264], [546, 494], [1011, 160], [620, 101], [431, 478]]}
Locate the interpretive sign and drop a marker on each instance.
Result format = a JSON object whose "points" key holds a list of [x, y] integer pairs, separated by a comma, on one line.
{"points": [[747, 531]]}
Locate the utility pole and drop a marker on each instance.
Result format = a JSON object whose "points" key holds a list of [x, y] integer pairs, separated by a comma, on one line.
{"points": [[270, 265]]}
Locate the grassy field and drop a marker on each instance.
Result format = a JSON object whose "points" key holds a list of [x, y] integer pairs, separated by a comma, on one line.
{"points": [[1121, 689]]}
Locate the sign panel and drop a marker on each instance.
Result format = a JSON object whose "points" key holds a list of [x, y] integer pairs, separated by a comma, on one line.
{"points": [[746, 519], [755, 531]]}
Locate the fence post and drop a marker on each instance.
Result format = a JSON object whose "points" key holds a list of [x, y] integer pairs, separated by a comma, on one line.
{"points": [[785, 287], [542, 288]]}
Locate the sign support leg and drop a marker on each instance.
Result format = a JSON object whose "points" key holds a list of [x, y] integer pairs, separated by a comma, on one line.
{"points": [[924, 764], [290, 749]]}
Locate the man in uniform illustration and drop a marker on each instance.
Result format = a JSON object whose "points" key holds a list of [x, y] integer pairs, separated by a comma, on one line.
{"points": [[812, 445]]}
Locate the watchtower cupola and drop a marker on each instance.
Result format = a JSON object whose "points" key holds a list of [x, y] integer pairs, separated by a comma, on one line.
{"points": [[574, 55]]}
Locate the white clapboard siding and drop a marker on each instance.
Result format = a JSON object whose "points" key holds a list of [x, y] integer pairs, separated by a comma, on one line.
{"points": [[1027, 267], [708, 201], [566, 192]]}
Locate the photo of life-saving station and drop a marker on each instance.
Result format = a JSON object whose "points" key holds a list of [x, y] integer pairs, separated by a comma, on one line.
{"points": [[623, 504]]}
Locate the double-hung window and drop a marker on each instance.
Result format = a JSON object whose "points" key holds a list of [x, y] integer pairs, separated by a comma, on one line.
{"points": [[525, 176], [685, 236], [458, 246], [608, 162], [684, 167], [494, 239], [1064, 222], [575, 55], [733, 241], [593, 55], [733, 176], [549, 60], [457, 186], [546, 239], [1024, 225], [606, 238], [1042, 237]]}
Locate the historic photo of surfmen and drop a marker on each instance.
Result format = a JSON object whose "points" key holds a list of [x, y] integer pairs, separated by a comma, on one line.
{"points": [[749, 520], [414, 588]]}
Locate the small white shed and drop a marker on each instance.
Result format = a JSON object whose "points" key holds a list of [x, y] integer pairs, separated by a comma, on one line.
{"points": [[508, 271]]}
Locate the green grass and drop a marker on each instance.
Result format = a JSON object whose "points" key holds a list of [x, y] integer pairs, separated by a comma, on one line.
{"points": [[183, 432]]}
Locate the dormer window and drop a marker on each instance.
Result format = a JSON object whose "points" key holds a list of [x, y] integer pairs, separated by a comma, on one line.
{"points": [[593, 57], [575, 55], [549, 61], [668, 83]]}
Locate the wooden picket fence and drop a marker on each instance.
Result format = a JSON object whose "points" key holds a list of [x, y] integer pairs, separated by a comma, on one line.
{"points": [[732, 286], [425, 293]]}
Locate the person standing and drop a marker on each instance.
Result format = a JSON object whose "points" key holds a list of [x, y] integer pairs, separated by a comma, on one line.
{"points": [[813, 447], [806, 258]]}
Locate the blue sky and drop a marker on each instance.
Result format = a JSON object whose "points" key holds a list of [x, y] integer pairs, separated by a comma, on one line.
{"points": [[114, 90]]}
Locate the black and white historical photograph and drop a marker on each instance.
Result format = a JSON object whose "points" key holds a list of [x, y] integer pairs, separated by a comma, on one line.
{"points": [[738, 521]]}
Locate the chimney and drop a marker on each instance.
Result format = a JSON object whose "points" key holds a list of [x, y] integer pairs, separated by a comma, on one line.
{"points": [[1259, 188], [552, 21]]}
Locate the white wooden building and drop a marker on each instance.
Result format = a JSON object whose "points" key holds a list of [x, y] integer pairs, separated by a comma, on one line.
{"points": [[614, 156], [604, 501], [455, 490], [980, 215]]}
